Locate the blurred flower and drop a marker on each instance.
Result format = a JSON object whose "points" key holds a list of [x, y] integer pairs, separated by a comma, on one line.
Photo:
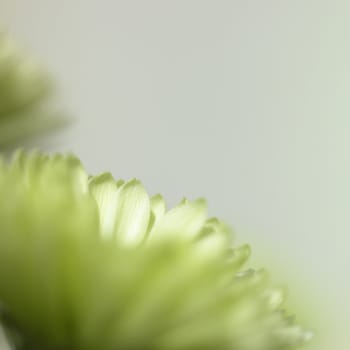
{"points": [[94, 263], [25, 92]]}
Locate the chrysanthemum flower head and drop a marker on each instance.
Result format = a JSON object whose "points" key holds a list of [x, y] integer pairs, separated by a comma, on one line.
{"points": [[92, 263], [25, 92]]}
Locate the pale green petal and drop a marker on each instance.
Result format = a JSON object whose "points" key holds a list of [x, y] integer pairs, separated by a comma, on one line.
{"points": [[120, 183], [237, 257], [214, 236], [158, 207], [157, 211], [80, 176], [104, 190], [124, 208], [184, 221], [292, 336], [275, 297], [132, 213]]}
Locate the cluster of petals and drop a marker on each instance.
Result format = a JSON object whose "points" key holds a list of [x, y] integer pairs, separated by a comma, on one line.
{"points": [[88, 262]]}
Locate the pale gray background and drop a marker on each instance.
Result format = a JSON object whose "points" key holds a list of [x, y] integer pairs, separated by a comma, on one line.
{"points": [[244, 102]]}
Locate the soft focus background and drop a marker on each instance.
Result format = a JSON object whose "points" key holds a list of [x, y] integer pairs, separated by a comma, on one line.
{"points": [[246, 103]]}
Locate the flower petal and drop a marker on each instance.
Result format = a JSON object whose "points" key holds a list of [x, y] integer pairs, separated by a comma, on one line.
{"points": [[104, 189], [158, 206], [185, 220], [132, 214]]}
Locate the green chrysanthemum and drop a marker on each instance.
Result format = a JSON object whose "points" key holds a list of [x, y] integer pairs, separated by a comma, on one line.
{"points": [[25, 92], [94, 263]]}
